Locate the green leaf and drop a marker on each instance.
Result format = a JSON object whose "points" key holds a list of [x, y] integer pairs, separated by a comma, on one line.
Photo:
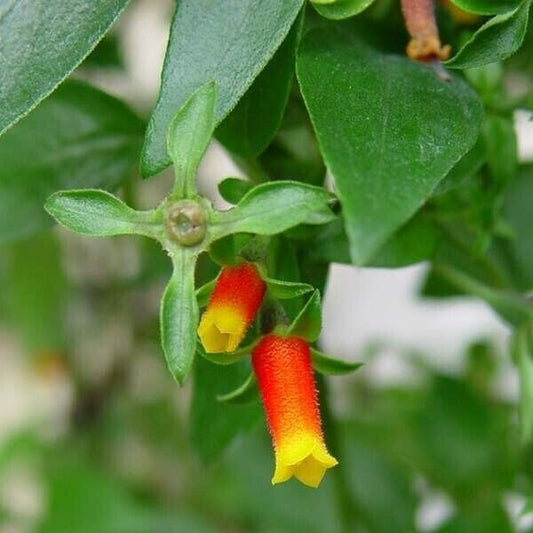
{"points": [[496, 40], [245, 393], [340, 9], [215, 424], [389, 130], [501, 147], [35, 296], [487, 7], [233, 189], [522, 351], [188, 136], [252, 124], [227, 41], [100, 214], [308, 323], [78, 137], [42, 42], [284, 290], [274, 207], [179, 316], [332, 367]]}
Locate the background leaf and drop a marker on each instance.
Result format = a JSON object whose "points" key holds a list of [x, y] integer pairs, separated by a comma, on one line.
{"points": [[496, 40], [42, 42], [487, 7], [215, 424], [332, 367], [233, 189], [228, 41], [79, 137], [179, 316], [100, 214], [273, 207], [360, 100]]}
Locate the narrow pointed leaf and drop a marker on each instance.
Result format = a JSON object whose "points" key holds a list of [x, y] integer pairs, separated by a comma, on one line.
{"points": [[332, 367], [225, 359], [100, 214], [389, 130], [188, 136], [496, 40], [227, 41], [284, 290], [308, 323], [79, 137], [179, 316], [245, 393], [274, 207], [42, 42]]}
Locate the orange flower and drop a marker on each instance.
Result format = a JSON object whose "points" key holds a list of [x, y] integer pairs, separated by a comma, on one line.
{"points": [[285, 376], [237, 296]]}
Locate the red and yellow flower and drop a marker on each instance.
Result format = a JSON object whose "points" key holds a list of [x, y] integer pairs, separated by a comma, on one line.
{"points": [[282, 366], [235, 300]]}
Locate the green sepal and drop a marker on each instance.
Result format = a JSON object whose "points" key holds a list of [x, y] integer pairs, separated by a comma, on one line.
{"points": [[499, 38], [308, 323], [226, 251], [340, 9], [329, 366], [234, 189], [204, 292], [245, 393], [274, 207], [188, 137], [227, 358], [286, 290], [100, 214], [179, 316]]}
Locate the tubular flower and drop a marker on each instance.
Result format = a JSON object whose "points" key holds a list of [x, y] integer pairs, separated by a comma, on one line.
{"points": [[284, 374], [237, 296]]}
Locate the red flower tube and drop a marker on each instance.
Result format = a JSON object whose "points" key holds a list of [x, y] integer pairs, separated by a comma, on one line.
{"points": [[235, 300], [284, 374]]}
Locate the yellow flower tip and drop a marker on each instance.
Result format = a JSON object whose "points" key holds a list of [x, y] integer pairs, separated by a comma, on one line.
{"points": [[309, 469], [221, 330]]}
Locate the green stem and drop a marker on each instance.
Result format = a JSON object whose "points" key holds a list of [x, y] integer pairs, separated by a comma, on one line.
{"points": [[350, 513], [523, 356]]}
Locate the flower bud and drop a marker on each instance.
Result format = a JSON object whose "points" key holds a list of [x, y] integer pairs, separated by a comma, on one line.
{"points": [[282, 366], [237, 297]]}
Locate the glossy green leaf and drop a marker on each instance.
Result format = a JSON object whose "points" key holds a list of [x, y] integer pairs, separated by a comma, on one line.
{"points": [[42, 42], [284, 290], [188, 136], [308, 323], [79, 137], [332, 367], [340, 9], [100, 214], [274, 207], [227, 41], [245, 393], [496, 40], [179, 316], [389, 130], [487, 7], [252, 124], [214, 424], [233, 189]]}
